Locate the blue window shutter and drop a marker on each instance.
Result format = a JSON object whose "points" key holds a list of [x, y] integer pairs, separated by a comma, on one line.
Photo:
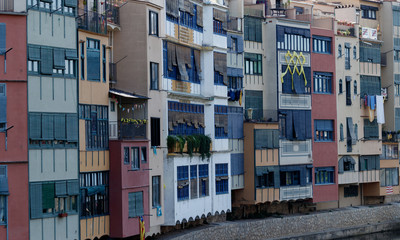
{"points": [[35, 126], [47, 126], [139, 204], [72, 187], [131, 204], [240, 47], [34, 53], [276, 138], [71, 54], [93, 64], [341, 166], [2, 38], [229, 41], [61, 188], [70, 3], [59, 58], [72, 127], [46, 66], [277, 180], [35, 197], [377, 163], [59, 127], [3, 103]]}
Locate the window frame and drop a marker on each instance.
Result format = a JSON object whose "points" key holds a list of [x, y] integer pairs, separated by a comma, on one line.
{"points": [[136, 156], [322, 82], [156, 191], [322, 45], [154, 76], [328, 173], [137, 210], [153, 23]]}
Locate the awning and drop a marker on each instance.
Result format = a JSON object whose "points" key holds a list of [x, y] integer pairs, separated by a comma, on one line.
{"points": [[348, 159], [95, 190], [126, 94]]}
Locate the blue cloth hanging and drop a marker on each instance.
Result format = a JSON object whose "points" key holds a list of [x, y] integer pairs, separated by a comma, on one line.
{"points": [[373, 101]]}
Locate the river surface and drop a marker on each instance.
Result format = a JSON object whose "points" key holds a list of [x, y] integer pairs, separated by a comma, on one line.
{"points": [[375, 236]]}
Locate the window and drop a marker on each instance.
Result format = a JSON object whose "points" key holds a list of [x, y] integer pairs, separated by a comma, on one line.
{"points": [[194, 118], [94, 196], [324, 175], [350, 136], [112, 106], [266, 180], [143, 154], [341, 132], [104, 63], [183, 184], [322, 82], [340, 50], [218, 78], [3, 107], [203, 178], [135, 159], [234, 44], [82, 46], [370, 53], [348, 91], [354, 52], [340, 86], [294, 39], [389, 177], [192, 19], [193, 181], [135, 202], [221, 121], [290, 178], [235, 83], [3, 209], [396, 16], [347, 57], [355, 87], [126, 155], [53, 130], [219, 28], [252, 29], [322, 44], [370, 85], [68, 8], [51, 198], [368, 12], [253, 63], [96, 126], [323, 130], [156, 191], [3, 194], [155, 131], [153, 76], [370, 162], [254, 100], [371, 130], [348, 166], [93, 59], [397, 89], [351, 191], [153, 23], [220, 21], [389, 151], [221, 178]]}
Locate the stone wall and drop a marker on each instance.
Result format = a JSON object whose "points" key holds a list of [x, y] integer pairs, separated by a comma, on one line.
{"points": [[320, 225]]}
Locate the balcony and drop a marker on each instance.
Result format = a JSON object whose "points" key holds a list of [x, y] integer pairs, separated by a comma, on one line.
{"points": [[295, 152], [6, 5], [235, 24], [295, 101], [112, 13], [295, 192], [348, 177], [92, 21], [390, 136], [260, 115]]}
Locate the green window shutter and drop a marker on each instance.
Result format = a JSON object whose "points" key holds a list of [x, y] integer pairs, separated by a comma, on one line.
{"points": [[47, 126], [59, 127], [93, 64], [48, 195], [61, 188], [72, 187], [72, 127], [35, 197], [46, 66], [35, 126], [59, 58]]}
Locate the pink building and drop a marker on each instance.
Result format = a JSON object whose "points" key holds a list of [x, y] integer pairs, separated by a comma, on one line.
{"points": [[14, 205]]}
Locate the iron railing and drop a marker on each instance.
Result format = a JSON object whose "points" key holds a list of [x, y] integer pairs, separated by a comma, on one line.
{"points": [[92, 21]]}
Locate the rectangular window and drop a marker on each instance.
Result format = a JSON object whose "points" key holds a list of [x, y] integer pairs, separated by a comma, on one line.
{"points": [[235, 83], [322, 82], [193, 181], [324, 175], [126, 155], [389, 177], [3, 194], [323, 130], [156, 191], [252, 29], [3, 107], [369, 162], [351, 191], [143, 154], [370, 85], [370, 53], [135, 158], [221, 121], [396, 17], [347, 57], [93, 59], [371, 130], [183, 182], [154, 76], [104, 64], [265, 180], [254, 100], [155, 131], [221, 178], [203, 178], [389, 151], [94, 187], [218, 27], [112, 106], [153, 23], [368, 12], [218, 79], [348, 91], [96, 126], [234, 44], [253, 64], [322, 44], [290, 178], [194, 118], [135, 203], [82, 46]]}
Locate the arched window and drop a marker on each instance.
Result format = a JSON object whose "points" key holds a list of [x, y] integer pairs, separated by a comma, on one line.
{"points": [[355, 87], [341, 132], [340, 86], [354, 52], [340, 50]]}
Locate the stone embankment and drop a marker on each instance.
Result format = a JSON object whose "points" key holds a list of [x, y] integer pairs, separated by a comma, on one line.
{"points": [[337, 223]]}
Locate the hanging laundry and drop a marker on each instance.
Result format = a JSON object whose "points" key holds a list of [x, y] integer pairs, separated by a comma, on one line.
{"points": [[373, 101], [380, 113]]}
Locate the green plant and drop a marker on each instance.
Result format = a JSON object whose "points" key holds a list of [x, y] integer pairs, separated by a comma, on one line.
{"points": [[171, 142], [181, 140], [190, 144], [204, 147]]}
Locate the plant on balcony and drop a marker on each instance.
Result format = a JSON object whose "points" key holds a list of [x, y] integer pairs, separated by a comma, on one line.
{"points": [[204, 149], [197, 143], [62, 214]]}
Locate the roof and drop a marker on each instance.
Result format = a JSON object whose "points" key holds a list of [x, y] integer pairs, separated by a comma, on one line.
{"points": [[126, 94]]}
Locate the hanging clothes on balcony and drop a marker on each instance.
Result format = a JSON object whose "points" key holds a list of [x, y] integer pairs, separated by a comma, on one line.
{"points": [[380, 112]]}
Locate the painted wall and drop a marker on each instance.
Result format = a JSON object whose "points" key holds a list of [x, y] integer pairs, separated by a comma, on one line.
{"points": [[55, 228]]}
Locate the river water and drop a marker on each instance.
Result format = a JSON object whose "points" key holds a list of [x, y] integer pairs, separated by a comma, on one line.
{"points": [[375, 236]]}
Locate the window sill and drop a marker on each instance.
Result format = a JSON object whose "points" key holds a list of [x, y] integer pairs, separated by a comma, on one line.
{"points": [[222, 193], [324, 184], [326, 53], [134, 170], [323, 93], [326, 141]]}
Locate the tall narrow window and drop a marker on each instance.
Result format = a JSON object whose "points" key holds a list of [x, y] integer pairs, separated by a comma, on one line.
{"points": [[340, 50], [93, 59], [3, 106], [135, 158], [354, 52], [340, 86], [347, 57], [355, 87], [153, 23], [126, 155], [104, 64], [203, 180], [3, 194], [153, 76], [183, 184], [156, 191], [82, 60], [221, 178], [135, 204], [155, 131], [348, 91]]}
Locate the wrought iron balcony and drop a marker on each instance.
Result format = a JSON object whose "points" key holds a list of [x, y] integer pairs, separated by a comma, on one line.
{"points": [[112, 13], [92, 21], [260, 115], [127, 131]]}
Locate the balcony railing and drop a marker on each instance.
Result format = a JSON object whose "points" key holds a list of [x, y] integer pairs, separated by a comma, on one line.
{"points": [[295, 192], [92, 21], [235, 24], [112, 13], [113, 73], [127, 131], [260, 115], [6, 5]]}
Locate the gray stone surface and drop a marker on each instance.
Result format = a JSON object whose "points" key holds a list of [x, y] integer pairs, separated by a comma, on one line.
{"points": [[320, 225]]}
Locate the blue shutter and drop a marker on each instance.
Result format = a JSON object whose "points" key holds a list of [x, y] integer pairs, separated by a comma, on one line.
{"points": [[2, 38], [139, 204], [277, 179], [70, 3], [237, 164], [71, 54], [72, 187], [341, 165], [3, 103], [46, 66], [270, 137], [35, 126], [93, 64], [275, 138], [34, 53], [59, 58], [59, 127], [47, 126], [131, 204], [35, 190], [229, 41], [72, 127], [61, 188], [240, 47]]}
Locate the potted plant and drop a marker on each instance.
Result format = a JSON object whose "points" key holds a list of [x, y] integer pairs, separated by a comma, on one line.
{"points": [[62, 214], [171, 143]]}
